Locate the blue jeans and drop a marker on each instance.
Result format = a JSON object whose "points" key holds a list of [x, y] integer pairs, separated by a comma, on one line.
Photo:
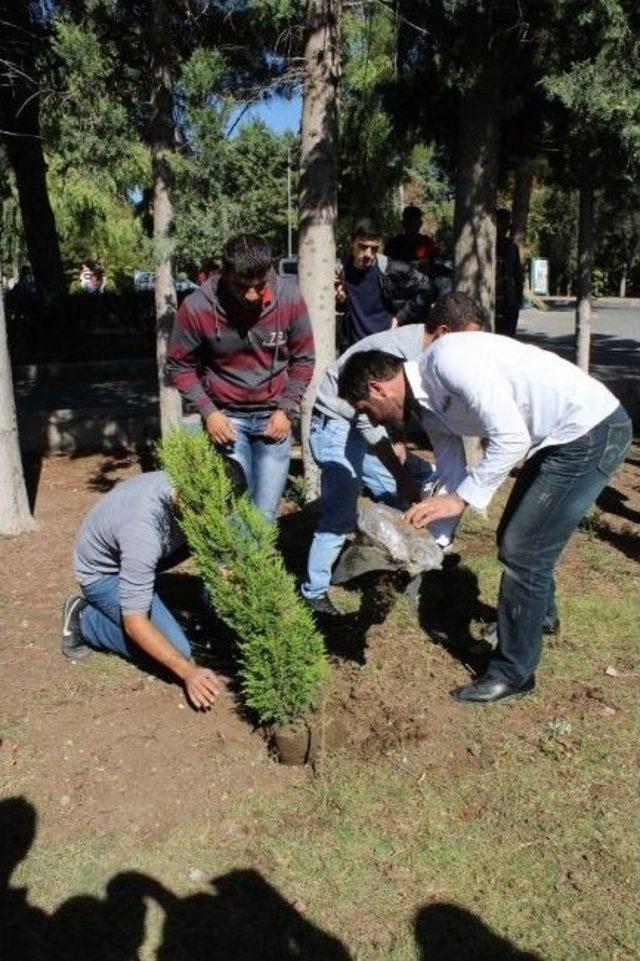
{"points": [[554, 490], [341, 453], [265, 462], [101, 621]]}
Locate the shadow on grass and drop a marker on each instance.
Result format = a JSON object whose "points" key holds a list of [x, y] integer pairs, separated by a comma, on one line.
{"points": [[447, 932], [627, 541], [613, 502], [238, 916], [449, 602]]}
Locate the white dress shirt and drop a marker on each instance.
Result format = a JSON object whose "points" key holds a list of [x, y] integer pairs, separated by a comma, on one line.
{"points": [[517, 397]]}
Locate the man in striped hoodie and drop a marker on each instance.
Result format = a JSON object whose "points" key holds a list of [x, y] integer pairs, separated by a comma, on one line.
{"points": [[242, 352]]}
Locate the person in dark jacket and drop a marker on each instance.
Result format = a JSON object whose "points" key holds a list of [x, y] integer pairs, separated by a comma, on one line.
{"points": [[377, 293], [412, 246], [242, 352], [509, 277]]}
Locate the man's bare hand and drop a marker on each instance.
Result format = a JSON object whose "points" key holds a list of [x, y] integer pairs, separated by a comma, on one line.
{"points": [[201, 686], [400, 450], [340, 292], [435, 509], [220, 428], [278, 427]]}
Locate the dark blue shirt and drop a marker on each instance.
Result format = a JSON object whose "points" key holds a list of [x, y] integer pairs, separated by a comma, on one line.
{"points": [[367, 312]]}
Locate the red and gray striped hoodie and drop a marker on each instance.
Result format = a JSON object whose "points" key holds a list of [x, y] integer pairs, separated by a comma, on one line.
{"points": [[219, 360]]}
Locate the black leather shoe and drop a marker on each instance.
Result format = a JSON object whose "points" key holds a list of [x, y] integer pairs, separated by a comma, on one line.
{"points": [[487, 690], [323, 606]]}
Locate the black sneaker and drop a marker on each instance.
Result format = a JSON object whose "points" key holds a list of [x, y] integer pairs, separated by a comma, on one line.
{"points": [[323, 606], [72, 643]]}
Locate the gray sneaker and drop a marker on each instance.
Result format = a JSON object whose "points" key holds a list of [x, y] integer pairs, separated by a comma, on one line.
{"points": [[72, 643]]}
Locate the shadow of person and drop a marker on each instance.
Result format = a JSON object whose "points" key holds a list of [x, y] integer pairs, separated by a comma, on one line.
{"points": [[245, 919], [23, 927], [449, 601], [447, 932], [113, 928]]}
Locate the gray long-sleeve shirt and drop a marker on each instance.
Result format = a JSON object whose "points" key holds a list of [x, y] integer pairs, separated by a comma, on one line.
{"points": [[404, 342], [132, 533]]}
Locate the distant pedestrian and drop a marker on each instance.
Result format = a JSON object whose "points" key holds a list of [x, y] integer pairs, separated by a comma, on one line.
{"points": [[242, 352], [412, 246], [375, 292], [509, 277]]}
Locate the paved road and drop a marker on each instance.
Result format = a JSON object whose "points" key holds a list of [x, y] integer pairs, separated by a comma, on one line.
{"points": [[615, 337]]}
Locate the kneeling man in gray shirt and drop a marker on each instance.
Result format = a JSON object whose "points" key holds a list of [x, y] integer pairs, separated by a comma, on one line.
{"points": [[124, 541]]}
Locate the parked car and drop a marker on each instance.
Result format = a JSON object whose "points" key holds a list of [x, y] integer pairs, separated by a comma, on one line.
{"points": [[145, 280], [288, 265]]}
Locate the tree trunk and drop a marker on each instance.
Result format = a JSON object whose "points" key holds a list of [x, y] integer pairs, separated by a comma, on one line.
{"points": [[585, 267], [15, 517], [318, 200], [474, 222], [623, 281], [162, 145], [522, 190], [20, 122]]}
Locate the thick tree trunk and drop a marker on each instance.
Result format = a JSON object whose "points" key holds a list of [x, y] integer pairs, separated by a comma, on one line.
{"points": [[15, 517], [474, 222], [622, 292], [522, 190], [28, 163], [585, 267], [20, 123], [162, 145], [318, 199]]}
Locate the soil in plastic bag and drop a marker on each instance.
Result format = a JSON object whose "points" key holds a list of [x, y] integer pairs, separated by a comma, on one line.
{"points": [[385, 527]]}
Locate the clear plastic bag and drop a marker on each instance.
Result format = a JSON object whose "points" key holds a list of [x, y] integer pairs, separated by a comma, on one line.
{"points": [[385, 527]]}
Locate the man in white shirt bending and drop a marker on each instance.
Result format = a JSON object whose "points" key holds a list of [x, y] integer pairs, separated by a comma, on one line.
{"points": [[525, 403]]}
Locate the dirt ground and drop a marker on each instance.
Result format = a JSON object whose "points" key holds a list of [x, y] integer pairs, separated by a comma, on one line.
{"points": [[100, 745]]}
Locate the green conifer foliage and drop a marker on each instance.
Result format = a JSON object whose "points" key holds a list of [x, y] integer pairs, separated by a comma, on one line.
{"points": [[282, 656]]}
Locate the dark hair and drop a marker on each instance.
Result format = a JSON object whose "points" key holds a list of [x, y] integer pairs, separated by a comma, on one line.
{"points": [[411, 211], [366, 227], [246, 255], [457, 311], [362, 367]]}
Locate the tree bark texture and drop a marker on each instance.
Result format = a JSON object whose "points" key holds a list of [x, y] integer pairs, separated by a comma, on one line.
{"points": [[15, 517], [522, 190], [318, 199], [20, 125], [474, 221], [585, 267], [162, 145], [622, 292]]}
